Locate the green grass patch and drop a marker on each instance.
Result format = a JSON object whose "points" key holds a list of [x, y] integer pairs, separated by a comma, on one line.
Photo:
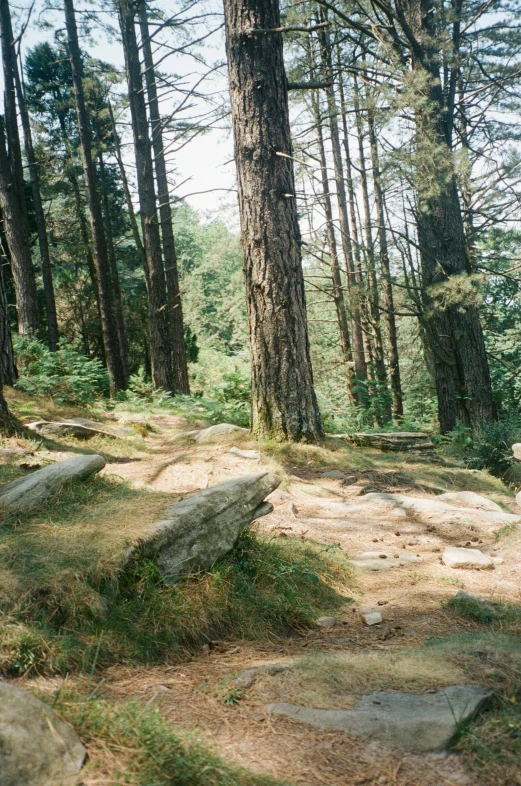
{"points": [[132, 744], [505, 617], [491, 743], [63, 596]]}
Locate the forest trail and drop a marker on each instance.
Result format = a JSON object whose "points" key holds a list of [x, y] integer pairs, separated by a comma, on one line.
{"points": [[200, 693]]}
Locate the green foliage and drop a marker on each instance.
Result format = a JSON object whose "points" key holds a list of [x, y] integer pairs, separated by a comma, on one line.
{"points": [[261, 589], [143, 747], [67, 376], [489, 446], [233, 387]]}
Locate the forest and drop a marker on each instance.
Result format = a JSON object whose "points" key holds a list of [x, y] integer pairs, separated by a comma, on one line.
{"points": [[391, 151], [260, 392]]}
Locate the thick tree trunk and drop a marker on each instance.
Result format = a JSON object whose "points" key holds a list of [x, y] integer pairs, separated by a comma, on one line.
{"points": [[43, 242], [101, 260], [181, 381], [12, 196], [16, 229], [387, 285], [284, 404], [453, 328], [8, 370], [159, 325], [338, 291]]}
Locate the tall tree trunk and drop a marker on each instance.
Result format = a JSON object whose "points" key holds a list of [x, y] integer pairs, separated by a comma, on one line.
{"points": [[373, 298], [101, 260], [128, 196], [284, 403], [12, 198], [356, 327], [120, 322], [8, 370], [159, 325], [338, 291], [387, 285], [360, 302], [453, 329], [16, 230], [181, 381], [43, 242]]}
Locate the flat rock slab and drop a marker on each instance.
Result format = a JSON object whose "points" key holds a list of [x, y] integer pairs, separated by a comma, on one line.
{"points": [[81, 428], [36, 747], [399, 441], [203, 527], [470, 499], [415, 723], [471, 559], [35, 488], [219, 433], [380, 560], [442, 509], [246, 454]]}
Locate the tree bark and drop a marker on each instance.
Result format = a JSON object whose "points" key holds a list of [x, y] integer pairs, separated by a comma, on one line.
{"points": [[120, 322], [284, 403], [43, 242], [338, 291], [181, 380], [101, 260], [453, 328], [8, 370], [387, 285], [159, 325], [12, 196], [372, 296], [347, 246]]}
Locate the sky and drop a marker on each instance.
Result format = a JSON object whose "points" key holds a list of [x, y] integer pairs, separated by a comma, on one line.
{"points": [[204, 169]]}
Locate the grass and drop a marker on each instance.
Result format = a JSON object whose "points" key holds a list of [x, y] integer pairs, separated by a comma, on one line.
{"points": [[490, 744], [63, 595], [133, 744]]}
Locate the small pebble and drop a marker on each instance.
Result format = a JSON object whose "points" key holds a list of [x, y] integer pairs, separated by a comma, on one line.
{"points": [[326, 622], [374, 618]]}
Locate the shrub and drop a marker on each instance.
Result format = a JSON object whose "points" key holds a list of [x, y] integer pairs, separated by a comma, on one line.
{"points": [[67, 376]]}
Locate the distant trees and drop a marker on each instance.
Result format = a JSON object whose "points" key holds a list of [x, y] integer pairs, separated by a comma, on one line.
{"points": [[284, 404]]}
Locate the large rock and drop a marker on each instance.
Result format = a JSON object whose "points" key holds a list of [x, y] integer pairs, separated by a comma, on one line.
{"points": [[471, 559], [516, 450], [398, 441], [222, 432], [82, 428], [35, 488], [412, 722], [469, 499], [442, 511], [36, 747], [203, 527]]}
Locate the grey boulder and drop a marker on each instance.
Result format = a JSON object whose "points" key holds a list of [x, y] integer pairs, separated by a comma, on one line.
{"points": [[203, 527], [471, 559], [81, 428], [222, 432], [35, 488], [36, 747], [413, 722]]}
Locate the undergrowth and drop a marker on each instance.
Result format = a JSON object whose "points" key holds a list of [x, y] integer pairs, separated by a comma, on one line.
{"points": [[132, 744], [491, 743], [262, 589]]}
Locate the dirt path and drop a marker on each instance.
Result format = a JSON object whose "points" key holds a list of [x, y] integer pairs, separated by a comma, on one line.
{"points": [[407, 585]]}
